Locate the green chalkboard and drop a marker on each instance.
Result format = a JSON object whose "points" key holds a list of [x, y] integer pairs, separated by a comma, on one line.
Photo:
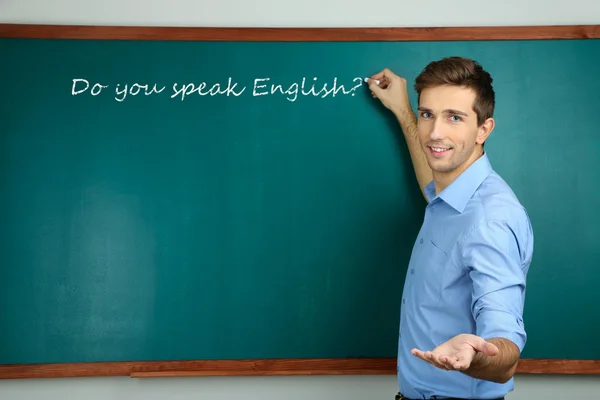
{"points": [[251, 220]]}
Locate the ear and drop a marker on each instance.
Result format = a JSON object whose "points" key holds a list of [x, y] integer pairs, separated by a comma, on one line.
{"points": [[484, 130]]}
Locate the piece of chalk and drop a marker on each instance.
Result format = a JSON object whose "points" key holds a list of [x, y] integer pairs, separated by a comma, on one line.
{"points": [[374, 80]]}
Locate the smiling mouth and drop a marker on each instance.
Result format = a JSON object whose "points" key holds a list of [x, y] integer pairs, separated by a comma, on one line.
{"points": [[438, 151]]}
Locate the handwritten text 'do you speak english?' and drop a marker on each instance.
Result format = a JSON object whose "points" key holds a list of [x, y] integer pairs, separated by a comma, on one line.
{"points": [[182, 91]]}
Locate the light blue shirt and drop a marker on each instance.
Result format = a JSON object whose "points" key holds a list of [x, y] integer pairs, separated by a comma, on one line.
{"points": [[466, 274]]}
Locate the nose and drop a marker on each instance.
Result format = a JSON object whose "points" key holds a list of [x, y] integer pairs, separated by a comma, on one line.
{"points": [[437, 130]]}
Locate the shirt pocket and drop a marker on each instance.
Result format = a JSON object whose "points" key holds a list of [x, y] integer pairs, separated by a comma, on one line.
{"points": [[429, 273]]}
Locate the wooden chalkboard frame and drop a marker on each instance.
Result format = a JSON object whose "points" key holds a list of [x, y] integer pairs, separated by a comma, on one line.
{"points": [[349, 366], [343, 366], [299, 34]]}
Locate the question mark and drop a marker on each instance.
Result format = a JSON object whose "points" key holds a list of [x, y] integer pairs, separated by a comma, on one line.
{"points": [[360, 82]]}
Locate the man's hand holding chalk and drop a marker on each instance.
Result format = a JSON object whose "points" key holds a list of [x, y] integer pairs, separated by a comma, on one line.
{"points": [[391, 90]]}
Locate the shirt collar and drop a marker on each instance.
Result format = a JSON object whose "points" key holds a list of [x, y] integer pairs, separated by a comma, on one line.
{"points": [[460, 191]]}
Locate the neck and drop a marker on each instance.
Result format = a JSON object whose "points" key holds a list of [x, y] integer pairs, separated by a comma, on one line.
{"points": [[441, 180]]}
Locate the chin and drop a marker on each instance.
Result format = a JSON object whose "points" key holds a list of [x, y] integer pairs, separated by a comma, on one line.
{"points": [[441, 166]]}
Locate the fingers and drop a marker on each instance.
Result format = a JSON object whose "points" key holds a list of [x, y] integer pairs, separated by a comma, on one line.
{"points": [[432, 358], [384, 77], [451, 363], [418, 353], [377, 88], [426, 356], [457, 363], [385, 73], [387, 80]]}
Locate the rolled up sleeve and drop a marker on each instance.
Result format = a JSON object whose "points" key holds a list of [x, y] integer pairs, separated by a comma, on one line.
{"points": [[492, 254]]}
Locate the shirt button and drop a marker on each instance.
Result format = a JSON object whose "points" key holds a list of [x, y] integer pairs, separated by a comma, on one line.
{"points": [[421, 241], [403, 301], [412, 271]]}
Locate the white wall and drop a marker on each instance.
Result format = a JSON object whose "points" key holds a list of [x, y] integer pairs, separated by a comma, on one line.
{"points": [[268, 388], [305, 13], [323, 13]]}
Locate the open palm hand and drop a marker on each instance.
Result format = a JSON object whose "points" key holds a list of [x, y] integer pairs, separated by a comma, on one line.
{"points": [[457, 353]]}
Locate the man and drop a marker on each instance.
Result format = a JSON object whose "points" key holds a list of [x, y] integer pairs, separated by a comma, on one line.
{"points": [[461, 324]]}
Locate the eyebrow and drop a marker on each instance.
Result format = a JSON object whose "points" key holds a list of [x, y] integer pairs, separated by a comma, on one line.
{"points": [[447, 111]]}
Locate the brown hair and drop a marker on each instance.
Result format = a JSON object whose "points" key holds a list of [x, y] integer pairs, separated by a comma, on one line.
{"points": [[460, 71]]}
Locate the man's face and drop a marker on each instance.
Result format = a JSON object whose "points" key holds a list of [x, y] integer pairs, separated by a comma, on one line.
{"points": [[447, 126]]}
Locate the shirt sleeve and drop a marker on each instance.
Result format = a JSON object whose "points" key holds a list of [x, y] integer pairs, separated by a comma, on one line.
{"points": [[492, 255]]}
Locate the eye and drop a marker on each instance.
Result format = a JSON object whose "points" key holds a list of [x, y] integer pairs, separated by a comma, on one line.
{"points": [[455, 118], [425, 114]]}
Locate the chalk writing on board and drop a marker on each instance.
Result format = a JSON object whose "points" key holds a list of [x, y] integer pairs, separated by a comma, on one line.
{"points": [[259, 87]]}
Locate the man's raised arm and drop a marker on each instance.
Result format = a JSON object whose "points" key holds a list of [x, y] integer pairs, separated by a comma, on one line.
{"points": [[393, 94]]}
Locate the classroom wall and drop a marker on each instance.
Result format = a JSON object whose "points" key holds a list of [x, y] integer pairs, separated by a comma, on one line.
{"points": [[332, 13]]}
